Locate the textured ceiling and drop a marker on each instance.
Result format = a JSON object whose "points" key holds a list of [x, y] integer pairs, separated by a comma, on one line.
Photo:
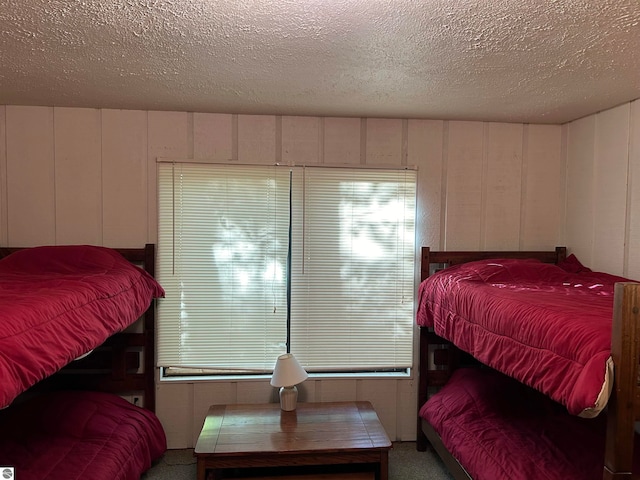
{"points": [[533, 61]]}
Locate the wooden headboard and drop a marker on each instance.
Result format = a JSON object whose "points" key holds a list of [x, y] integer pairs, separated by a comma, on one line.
{"points": [[429, 258], [125, 363]]}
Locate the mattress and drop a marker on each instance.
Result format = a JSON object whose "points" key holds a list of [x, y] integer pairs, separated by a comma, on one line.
{"points": [[498, 428], [547, 326], [79, 435], [57, 303]]}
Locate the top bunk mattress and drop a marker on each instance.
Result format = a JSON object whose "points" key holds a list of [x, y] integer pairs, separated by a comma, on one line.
{"points": [[58, 303], [545, 325]]}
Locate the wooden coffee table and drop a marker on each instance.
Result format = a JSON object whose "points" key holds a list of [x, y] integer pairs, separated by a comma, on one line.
{"points": [[248, 436]]}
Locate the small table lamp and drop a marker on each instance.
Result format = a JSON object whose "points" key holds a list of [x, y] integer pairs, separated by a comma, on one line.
{"points": [[287, 374]]}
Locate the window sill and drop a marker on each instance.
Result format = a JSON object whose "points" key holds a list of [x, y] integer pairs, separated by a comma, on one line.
{"points": [[406, 375]]}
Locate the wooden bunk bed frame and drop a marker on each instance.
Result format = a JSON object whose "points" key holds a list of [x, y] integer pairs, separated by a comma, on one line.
{"points": [[125, 363], [438, 358]]}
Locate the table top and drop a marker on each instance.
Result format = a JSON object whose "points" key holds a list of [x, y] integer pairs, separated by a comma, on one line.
{"points": [[312, 427]]}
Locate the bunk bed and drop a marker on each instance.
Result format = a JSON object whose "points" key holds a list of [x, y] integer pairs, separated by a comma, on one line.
{"points": [[77, 362], [499, 398]]}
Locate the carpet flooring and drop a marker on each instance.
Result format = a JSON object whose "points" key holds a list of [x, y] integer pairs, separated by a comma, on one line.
{"points": [[405, 463]]}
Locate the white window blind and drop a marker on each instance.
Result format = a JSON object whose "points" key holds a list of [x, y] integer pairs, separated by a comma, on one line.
{"points": [[352, 268], [222, 258], [222, 253]]}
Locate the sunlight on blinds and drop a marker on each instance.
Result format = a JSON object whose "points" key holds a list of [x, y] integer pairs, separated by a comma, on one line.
{"points": [[222, 254], [353, 265], [222, 259]]}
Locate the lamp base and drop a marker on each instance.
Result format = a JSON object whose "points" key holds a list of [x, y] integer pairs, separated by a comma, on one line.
{"points": [[288, 398]]}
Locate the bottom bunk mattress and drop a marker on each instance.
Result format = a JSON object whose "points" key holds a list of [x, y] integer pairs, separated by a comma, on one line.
{"points": [[496, 427], [79, 435]]}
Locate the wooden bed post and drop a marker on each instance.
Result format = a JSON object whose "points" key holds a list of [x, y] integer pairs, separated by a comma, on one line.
{"points": [[623, 406], [150, 334], [421, 439]]}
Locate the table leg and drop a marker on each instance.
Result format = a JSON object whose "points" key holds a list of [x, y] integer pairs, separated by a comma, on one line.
{"points": [[201, 470], [384, 465]]}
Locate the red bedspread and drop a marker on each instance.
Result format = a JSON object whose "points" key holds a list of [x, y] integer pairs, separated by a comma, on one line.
{"points": [[499, 429], [58, 303], [79, 435], [544, 326]]}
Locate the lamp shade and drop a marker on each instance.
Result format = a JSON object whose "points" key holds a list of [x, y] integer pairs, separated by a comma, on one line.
{"points": [[288, 372]]}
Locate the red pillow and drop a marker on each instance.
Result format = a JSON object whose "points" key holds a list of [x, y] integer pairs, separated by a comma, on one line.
{"points": [[572, 265]]}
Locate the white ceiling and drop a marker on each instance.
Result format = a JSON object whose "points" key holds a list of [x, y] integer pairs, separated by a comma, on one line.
{"points": [[535, 61]]}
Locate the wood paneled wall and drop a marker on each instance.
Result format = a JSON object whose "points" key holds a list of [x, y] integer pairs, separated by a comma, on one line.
{"points": [[603, 190], [71, 175]]}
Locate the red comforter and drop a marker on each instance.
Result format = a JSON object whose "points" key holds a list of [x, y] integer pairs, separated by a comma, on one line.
{"points": [[499, 429], [547, 327], [58, 303], [79, 435]]}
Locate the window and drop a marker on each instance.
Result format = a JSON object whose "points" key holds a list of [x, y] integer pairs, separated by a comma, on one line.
{"points": [[251, 256]]}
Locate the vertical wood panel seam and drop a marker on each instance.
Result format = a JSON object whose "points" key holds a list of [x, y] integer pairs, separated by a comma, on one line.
{"points": [[483, 183], [444, 179], [190, 136], [404, 147], [321, 140], [234, 137], [363, 141], [55, 180], [523, 183], [278, 139], [629, 198], [101, 169], [4, 214], [316, 390], [190, 426], [147, 180], [399, 411]]}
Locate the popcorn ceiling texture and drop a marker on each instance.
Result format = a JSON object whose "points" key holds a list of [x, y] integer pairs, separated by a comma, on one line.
{"points": [[499, 60]]}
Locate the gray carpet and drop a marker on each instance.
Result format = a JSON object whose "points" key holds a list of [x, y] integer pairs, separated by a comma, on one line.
{"points": [[405, 463]]}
